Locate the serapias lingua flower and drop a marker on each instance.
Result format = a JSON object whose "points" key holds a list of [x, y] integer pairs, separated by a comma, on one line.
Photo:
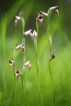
{"points": [[11, 63], [17, 18], [20, 17], [40, 17], [55, 8], [20, 47], [31, 34], [28, 64], [17, 74]]}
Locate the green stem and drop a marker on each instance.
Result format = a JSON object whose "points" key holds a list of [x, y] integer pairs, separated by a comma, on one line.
{"points": [[23, 69], [22, 87], [50, 52], [37, 66], [14, 70], [14, 90], [37, 61]]}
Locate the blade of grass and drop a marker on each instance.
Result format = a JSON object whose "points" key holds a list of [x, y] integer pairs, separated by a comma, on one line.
{"points": [[3, 32]]}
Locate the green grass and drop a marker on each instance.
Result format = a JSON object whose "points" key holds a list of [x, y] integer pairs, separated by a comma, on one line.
{"points": [[61, 69]]}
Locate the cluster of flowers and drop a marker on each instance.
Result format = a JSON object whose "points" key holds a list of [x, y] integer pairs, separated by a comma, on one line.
{"points": [[33, 35], [19, 73]]}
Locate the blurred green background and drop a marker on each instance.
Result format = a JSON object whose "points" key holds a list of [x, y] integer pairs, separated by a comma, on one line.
{"points": [[60, 28]]}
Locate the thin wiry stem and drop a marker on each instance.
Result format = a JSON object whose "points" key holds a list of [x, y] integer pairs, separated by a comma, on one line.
{"points": [[15, 89], [37, 65], [14, 70], [36, 51], [50, 46], [23, 69], [37, 61], [50, 50]]}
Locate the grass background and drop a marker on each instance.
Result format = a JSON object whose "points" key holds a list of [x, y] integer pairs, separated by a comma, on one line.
{"points": [[61, 65]]}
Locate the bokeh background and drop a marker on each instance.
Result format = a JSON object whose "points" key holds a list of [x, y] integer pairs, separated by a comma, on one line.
{"points": [[60, 28]]}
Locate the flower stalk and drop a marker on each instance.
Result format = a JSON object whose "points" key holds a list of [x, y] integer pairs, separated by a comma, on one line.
{"points": [[34, 37], [21, 46], [36, 51], [52, 56]]}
